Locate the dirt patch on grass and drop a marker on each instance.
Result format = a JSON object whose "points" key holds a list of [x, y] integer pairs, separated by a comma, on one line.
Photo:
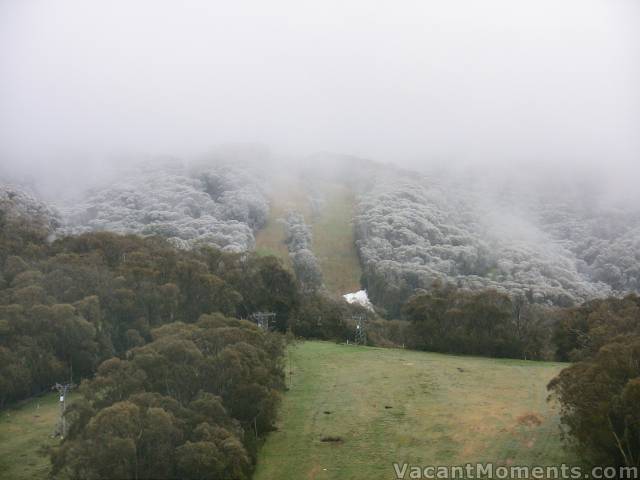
{"points": [[313, 473], [530, 420]]}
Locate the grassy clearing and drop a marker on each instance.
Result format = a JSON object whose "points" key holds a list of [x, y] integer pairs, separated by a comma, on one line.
{"points": [[287, 194], [333, 237], [388, 405], [334, 242], [24, 430]]}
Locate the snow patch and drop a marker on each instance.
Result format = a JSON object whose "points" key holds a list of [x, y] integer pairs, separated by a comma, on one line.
{"points": [[360, 298]]}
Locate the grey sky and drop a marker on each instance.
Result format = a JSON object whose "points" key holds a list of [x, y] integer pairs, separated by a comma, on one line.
{"points": [[474, 81]]}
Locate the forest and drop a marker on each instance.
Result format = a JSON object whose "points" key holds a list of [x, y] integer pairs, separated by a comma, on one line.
{"points": [[557, 243], [209, 203]]}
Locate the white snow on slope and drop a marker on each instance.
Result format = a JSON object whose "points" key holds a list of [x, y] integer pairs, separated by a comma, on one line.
{"points": [[361, 298]]}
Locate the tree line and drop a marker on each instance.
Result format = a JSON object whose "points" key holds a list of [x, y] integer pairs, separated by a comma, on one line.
{"points": [[600, 391], [562, 241], [189, 404], [67, 306], [478, 322]]}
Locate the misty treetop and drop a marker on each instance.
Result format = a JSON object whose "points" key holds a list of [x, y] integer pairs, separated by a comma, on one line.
{"points": [[17, 203], [549, 246], [214, 204], [305, 263]]}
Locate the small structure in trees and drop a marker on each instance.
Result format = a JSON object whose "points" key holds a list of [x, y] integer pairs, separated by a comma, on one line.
{"points": [[361, 330], [61, 426], [263, 319]]}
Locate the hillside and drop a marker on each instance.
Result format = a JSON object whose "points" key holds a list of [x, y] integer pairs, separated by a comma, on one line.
{"points": [[334, 241], [327, 208], [552, 240], [218, 203], [385, 405], [444, 409]]}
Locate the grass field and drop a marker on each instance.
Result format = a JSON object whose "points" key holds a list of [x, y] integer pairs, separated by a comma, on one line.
{"points": [[334, 242], [389, 405], [24, 430], [333, 238], [287, 194]]}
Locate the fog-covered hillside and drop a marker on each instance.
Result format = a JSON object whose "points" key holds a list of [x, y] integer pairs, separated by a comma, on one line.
{"points": [[556, 241], [18, 202], [549, 243], [211, 203]]}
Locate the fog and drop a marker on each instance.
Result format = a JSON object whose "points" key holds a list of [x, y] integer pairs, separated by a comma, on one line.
{"points": [[416, 83]]}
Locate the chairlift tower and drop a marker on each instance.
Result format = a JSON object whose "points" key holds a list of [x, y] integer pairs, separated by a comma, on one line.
{"points": [[61, 427], [262, 319], [361, 331]]}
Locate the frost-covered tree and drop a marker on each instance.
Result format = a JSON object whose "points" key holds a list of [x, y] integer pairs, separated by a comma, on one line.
{"points": [[17, 202], [305, 264], [414, 230], [217, 204]]}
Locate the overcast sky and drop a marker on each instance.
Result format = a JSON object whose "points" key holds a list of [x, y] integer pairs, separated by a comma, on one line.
{"points": [[475, 81]]}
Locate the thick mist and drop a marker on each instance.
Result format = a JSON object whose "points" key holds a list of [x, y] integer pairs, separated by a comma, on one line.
{"points": [[477, 85]]}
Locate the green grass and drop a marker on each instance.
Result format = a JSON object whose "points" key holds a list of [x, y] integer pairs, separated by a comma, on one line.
{"points": [[24, 430], [445, 410], [333, 237], [334, 242], [287, 194]]}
